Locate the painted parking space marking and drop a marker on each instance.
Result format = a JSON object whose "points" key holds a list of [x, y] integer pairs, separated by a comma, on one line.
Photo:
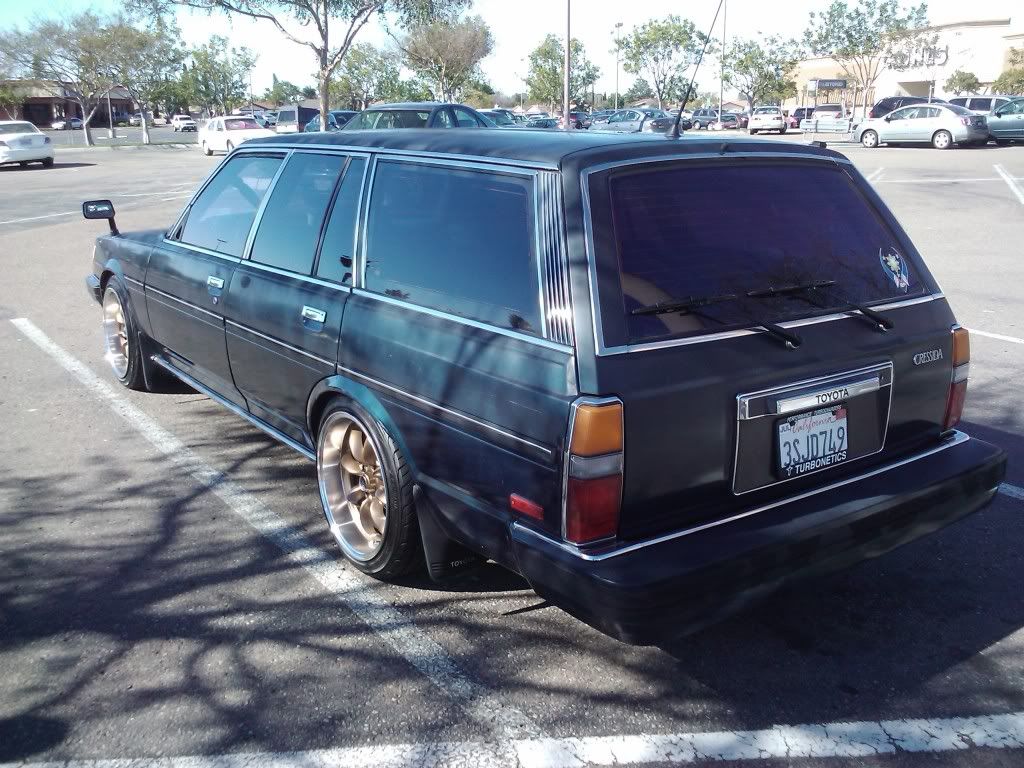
{"points": [[999, 336], [359, 593], [1011, 183], [875, 175], [37, 218], [824, 741], [941, 181], [1013, 491]]}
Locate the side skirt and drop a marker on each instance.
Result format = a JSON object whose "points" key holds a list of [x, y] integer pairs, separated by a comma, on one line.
{"points": [[258, 423]]}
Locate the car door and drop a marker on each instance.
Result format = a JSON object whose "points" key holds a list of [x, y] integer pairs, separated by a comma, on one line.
{"points": [[283, 308], [1008, 121], [466, 119], [925, 123], [191, 268], [897, 126]]}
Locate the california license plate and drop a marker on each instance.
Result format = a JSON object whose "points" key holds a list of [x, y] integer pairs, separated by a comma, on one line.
{"points": [[812, 441]]}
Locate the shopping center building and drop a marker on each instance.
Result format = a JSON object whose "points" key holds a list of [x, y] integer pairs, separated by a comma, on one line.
{"points": [[980, 46]]}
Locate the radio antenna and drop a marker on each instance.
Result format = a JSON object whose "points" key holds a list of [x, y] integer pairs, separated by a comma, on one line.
{"points": [[674, 132]]}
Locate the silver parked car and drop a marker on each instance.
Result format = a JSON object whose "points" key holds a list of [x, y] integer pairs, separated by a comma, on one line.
{"points": [[1007, 122], [634, 121], [941, 125]]}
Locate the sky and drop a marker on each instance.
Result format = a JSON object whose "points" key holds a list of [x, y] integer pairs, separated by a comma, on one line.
{"points": [[518, 26]]}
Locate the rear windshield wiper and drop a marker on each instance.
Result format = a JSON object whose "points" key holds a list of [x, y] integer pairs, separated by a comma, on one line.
{"points": [[688, 304], [692, 305], [805, 290]]}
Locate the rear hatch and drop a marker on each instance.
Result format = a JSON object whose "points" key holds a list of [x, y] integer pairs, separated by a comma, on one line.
{"points": [[726, 323]]}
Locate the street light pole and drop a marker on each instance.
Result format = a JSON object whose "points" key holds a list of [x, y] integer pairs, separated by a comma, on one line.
{"points": [[618, 38], [568, 62]]}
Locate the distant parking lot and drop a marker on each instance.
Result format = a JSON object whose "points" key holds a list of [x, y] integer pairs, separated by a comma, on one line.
{"points": [[161, 134], [169, 587]]}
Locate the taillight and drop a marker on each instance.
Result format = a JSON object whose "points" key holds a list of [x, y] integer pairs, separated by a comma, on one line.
{"points": [[593, 473], [965, 121], [958, 381]]}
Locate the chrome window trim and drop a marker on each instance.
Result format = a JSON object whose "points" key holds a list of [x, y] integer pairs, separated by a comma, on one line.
{"points": [[364, 226], [151, 289], [588, 230], [552, 261], [405, 153], [278, 342], [255, 225], [357, 228], [535, 340], [295, 275], [134, 281], [958, 438], [200, 249], [457, 414]]}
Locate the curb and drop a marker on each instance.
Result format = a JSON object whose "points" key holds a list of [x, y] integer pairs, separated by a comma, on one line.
{"points": [[126, 148]]}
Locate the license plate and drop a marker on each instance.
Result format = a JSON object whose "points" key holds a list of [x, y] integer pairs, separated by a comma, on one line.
{"points": [[27, 142], [812, 441]]}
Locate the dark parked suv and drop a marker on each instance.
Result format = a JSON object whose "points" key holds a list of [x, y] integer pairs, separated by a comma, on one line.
{"points": [[884, 106], [559, 351]]}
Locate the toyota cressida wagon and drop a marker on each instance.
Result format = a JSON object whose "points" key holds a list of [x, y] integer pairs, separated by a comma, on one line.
{"points": [[625, 368]]}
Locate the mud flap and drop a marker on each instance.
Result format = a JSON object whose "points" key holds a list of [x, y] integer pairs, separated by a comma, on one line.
{"points": [[446, 559]]}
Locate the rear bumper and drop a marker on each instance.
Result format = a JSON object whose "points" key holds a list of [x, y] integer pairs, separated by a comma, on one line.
{"points": [[26, 154], [652, 591]]}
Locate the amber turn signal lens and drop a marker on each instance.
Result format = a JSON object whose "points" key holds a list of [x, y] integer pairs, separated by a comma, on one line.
{"points": [[597, 430], [961, 346]]}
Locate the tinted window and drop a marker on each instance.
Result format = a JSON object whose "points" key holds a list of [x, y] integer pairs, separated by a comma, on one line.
{"points": [[241, 124], [403, 118], [290, 226], [904, 114], [677, 237], [981, 105], [959, 102], [959, 110], [363, 121], [285, 115], [453, 240], [221, 216], [339, 240], [443, 119], [465, 118]]}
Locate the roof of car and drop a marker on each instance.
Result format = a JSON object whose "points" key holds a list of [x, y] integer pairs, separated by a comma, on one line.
{"points": [[543, 148], [413, 105]]}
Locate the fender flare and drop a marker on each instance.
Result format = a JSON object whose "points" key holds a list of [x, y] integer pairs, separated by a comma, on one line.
{"points": [[366, 398]]}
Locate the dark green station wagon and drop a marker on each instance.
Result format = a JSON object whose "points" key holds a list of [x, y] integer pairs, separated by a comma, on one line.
{"points": [[625, 368]]}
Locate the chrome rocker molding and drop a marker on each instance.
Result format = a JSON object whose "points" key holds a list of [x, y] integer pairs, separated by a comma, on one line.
{"points": [[957, 438], [258, 423]]}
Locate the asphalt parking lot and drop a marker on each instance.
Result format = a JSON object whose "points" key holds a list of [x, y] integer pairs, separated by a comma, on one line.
{"points": [[124, 135], [170, 594]]}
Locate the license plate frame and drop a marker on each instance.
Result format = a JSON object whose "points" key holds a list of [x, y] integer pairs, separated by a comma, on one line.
{"points": [[812, 441]]}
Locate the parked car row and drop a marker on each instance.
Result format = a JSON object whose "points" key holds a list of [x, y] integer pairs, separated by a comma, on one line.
{"points": [[943, 125]]}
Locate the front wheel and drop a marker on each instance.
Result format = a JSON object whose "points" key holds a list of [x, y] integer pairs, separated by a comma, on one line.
{"points": [[119, 339], [753, 131], [869, 139], [47, 162], [366, 492], [782, 131], [229, 146], [206, 150], [942, 140]]}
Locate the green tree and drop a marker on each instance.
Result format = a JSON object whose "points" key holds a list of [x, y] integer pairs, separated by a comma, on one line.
{"points": [[1010, 82], [478, 93], [638, 91], [367, 74], [447, 53], [962, 82], [308, 92], [662, 51], [144, 61], [867, 37], [332, 25], [66, 57], [547, 71], [10, 100], [761, 70], [219, 75], [282, 92]]}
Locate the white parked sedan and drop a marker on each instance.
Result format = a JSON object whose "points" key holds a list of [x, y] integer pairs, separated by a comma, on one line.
{"points": [[767, 119], [66, 124], [225, 133], [23, 143]]}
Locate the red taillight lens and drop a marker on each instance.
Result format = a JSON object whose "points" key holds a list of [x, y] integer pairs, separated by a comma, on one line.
{"points": [[958, 382], [593, 491], [592, 508], [965, 121]]}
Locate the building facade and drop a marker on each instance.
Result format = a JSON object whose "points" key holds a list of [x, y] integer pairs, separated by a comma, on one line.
{"points": [[42, 103], [980, 46]]}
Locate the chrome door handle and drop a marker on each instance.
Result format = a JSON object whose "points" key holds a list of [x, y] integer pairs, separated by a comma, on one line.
{"points": [[314, 314], [214, 282]]}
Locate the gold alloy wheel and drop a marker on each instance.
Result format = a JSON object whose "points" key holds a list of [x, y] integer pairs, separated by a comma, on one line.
{"points": [[352, 487], [115, 333]]}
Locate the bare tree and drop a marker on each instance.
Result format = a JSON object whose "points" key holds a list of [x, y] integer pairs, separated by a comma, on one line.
{"points": [[66, 58], [318, 16], [447, 53]]}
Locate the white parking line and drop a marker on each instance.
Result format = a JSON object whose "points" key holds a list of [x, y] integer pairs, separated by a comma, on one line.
{"points": [[36, 218], [1013, 491], [1001, 337], [823, 741], [875, 175], [362, 595], [939, 181], [1014, 187]]}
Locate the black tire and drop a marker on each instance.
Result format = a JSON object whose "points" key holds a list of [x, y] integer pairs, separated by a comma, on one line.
{"points": [[401, 550], [48, 162], [23, 164], [229, 147], [782, 131], [133, 376], [206, 150], [753, 131]]}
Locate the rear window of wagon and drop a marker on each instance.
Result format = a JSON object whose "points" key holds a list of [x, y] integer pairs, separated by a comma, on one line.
{"points": [[687, 232]]}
